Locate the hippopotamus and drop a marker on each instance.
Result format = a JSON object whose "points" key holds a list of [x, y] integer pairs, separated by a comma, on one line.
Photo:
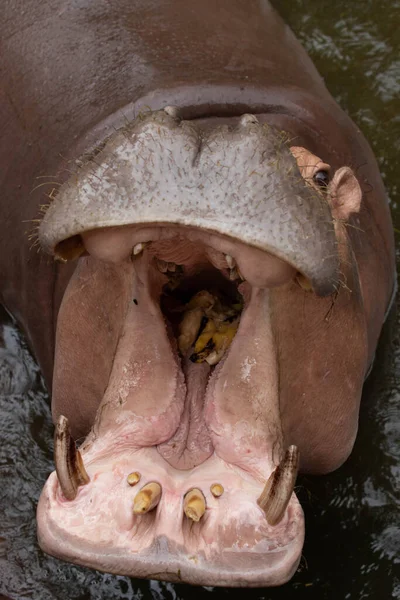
{"points": [[199, 249]]}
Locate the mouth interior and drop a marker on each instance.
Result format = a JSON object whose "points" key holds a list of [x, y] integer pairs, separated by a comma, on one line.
{"points": [[202, 311], [183, 413]]}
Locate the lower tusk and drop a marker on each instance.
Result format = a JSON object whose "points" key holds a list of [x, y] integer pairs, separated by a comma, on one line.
{"points": [[194, 505], [70, 469], [147, 499], [279, 487]]}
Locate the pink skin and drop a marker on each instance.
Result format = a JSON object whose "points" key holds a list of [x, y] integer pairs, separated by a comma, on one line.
{"points": [[211, 425]]}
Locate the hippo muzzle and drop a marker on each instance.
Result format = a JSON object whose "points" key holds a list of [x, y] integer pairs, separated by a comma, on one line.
{"points": [[166, 344]]}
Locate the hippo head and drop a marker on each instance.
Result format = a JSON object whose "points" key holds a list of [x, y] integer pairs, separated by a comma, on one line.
{"points": [[199, 350]]}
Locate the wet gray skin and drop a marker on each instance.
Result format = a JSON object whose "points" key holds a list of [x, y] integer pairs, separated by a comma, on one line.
{"points": [[352, 547]]}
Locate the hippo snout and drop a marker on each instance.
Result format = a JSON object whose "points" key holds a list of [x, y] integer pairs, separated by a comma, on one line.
{"points": [[241, 182]]}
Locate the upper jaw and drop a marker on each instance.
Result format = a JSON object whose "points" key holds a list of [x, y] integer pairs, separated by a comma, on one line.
{"points": [[240, 182]]}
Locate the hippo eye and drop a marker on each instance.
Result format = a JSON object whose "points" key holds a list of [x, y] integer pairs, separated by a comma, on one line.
{"points": [[321, 178]]}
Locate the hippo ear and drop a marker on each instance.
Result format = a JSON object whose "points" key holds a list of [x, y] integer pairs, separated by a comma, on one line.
{"points": [[345, 194]]}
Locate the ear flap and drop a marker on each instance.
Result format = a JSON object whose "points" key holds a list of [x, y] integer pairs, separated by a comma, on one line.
{"points": [[345, 194]]}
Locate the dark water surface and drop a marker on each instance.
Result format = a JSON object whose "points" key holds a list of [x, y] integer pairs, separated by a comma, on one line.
{"points": [[352, 547]]}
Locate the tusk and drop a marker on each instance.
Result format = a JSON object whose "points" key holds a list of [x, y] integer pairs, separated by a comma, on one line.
{"points": [[147, 499], [70, 469], [279, 487], [138, 248], [194, 505]]}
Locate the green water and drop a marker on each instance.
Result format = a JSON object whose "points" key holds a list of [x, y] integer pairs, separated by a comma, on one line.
{"points": [[352, 547]]}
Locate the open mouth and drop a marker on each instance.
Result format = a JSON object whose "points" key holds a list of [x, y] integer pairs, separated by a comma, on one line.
{"points": [[166, 361], [183, 475]]}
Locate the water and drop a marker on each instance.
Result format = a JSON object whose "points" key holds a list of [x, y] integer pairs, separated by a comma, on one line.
{"points": [[352, 545]]}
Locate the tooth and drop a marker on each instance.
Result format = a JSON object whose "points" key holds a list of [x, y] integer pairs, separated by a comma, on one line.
{"points": [[217, 490], [147, 499], [172, 267], [230, 261], [214, 358], [279, 487], [133, 478], [235, 274], [194, 505], [202, 299], [70, 470], [189, 329], [138, 248], [162, 266]]}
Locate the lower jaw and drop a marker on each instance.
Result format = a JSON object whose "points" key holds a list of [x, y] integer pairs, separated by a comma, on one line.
{"points": [[232, 545]]}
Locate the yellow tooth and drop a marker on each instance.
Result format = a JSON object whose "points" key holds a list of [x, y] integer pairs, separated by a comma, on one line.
{"points": [[223, 337], [205, 336], [217, 490], [202, 299], [133, 478], [189, 328], [194, 505], [147, 499]]}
